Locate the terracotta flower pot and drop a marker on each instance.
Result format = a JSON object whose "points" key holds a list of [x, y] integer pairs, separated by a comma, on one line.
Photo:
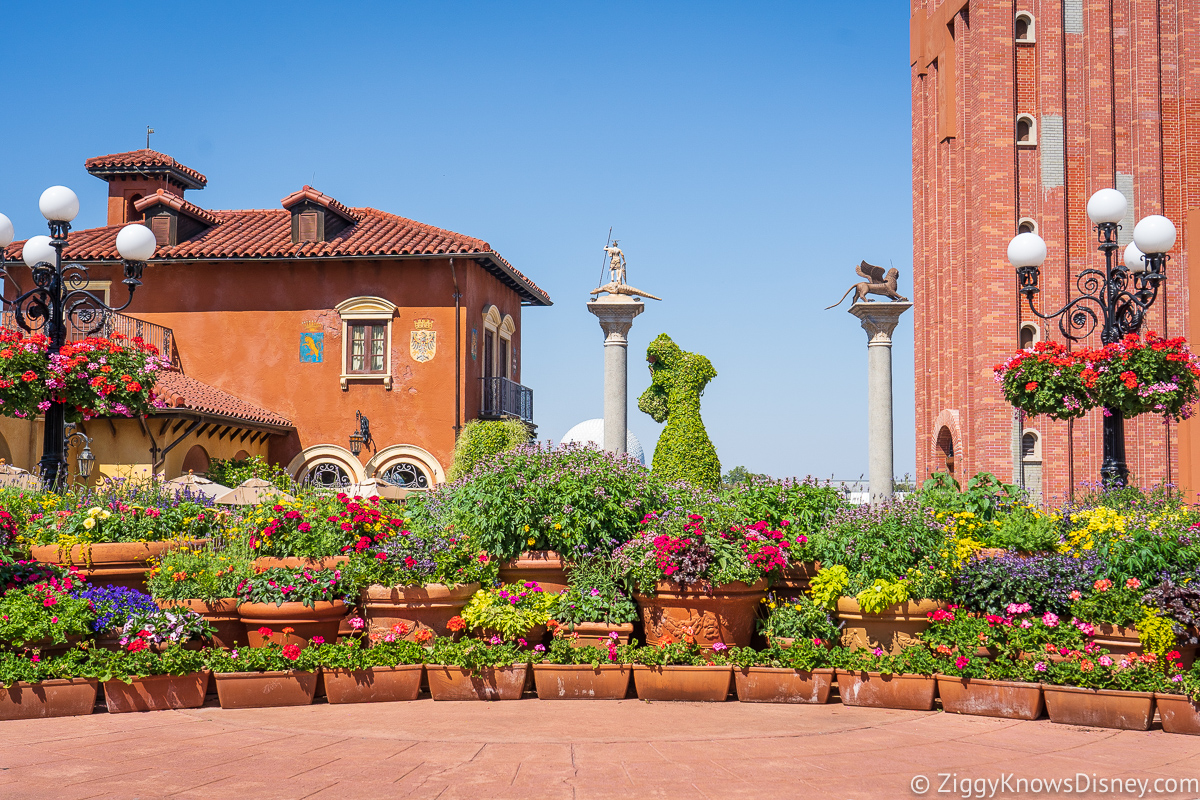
{"points": [[374, 685], [591, 632], [292, 562], [892, 629], [546, 567], [156, 693], [221, 614], [582, 682], [1119, 640], [428, 607], [457, 683], [265, 689], [1178, 713], [876, 690], [55, 698], [46, 647], [322, 619], [1099, 708], [111, 564], [775, 685], [710, 613], [708, 684], [795, 580], [984, 698], [532, 636]]}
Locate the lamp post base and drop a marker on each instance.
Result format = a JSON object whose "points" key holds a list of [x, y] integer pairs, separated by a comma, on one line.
{"points": [[1113, 471]]}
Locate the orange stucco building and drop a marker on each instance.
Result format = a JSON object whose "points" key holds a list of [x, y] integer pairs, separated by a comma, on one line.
{"points": [[284, 323]]}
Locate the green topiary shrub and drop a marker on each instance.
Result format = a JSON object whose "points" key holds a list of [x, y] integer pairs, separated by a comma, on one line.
{"points": [[684, 451], [480, 439]]}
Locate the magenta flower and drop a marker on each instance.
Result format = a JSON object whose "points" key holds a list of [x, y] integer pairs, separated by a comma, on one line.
{"points": [[1050, 619], [1040, 666]]}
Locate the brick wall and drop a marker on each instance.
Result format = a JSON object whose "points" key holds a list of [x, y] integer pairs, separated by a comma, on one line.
{"points": [[1114, 89]]}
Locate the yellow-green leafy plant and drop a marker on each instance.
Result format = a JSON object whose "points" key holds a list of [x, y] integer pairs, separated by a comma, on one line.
{"points": [[510, 611], [684, 451], [828, 585], [881, 595]]}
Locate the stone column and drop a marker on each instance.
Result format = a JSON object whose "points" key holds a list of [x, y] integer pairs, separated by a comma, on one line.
{"points": [[879, 320], [616, 313]]}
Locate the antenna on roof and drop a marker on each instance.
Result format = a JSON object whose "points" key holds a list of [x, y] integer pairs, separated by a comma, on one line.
{"points": [[149, 131]]}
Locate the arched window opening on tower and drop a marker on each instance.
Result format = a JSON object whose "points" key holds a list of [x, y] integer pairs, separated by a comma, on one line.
{"points": [[1026, 131], [1027, 225], [1030, 335], [945, 447], [1024, 28]]}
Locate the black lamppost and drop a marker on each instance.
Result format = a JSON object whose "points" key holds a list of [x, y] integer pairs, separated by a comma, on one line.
{"points": [[1114, 299], [58, 298]]}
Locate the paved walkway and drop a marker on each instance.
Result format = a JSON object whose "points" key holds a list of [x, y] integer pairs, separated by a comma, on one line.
{"points": [[568, 749]]}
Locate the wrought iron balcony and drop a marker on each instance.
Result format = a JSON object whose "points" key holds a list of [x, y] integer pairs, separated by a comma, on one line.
{"points": [[504, 399], [150, 333]]}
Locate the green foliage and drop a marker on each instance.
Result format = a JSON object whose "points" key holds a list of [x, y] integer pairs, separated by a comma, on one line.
{"points": [[318, 524], [915, 659], [202, 573], [269, 658], [561, 652], [353, 654], [419, 557], [739, 475], [802, 655], [1099, 670], [798, 618], [43, 614], [475, 655], [76, 663], [575, 500], [986, 496], [510, 611], [481, 439], [881, 595], [1155, 633], [121, 511], [124, 665], [684, 451], [281, 585], [1024, 529], [594, 595], [1107, 604], [800, 506], [828, 585], [677, 654], [233, 471]]}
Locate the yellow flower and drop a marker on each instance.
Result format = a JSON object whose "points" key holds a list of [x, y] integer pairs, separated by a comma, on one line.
{"points": [[531, 541], [527, 529], [89, 523], [105, 514], [558, 526], [94, 511]]}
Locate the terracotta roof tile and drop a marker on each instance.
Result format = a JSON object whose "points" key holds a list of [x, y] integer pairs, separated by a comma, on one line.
{"points": [[267, 233], [321, 199], [144, 161], [176, 202], [182, 392]]}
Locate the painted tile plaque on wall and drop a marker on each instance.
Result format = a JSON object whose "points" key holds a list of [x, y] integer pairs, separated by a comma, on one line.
{"points": [[422, 343], [312, 347]]}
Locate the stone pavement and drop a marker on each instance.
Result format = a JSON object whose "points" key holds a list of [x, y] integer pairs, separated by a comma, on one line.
{"points": [[560, 749]]}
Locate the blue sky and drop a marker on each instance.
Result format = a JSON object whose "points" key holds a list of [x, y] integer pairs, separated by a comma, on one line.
{"points": [[746, 156]]}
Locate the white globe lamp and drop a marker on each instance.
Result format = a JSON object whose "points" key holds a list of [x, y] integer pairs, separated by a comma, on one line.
{"points": [[1134, 258], [1154, 234], [1107, 205], [37, 250], [59, 204], [6, 231], [136, 242], [1027, 250]]}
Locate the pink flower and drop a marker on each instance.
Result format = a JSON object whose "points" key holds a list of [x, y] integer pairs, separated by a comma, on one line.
{"points": [[719, 647], [1132, 583], [877, 651], [1105, 661], [1018, 608], [318, 640], [1040, 666], [357, 623], [1049, 619], [961, 662]]}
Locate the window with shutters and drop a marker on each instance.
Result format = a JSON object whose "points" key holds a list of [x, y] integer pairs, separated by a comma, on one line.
{"points": [[309, 227], [161, 225], [366, 340], [368, 348]]}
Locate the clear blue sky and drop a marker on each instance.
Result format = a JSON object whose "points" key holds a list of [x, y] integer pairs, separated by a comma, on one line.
{"points": [[747, 155]]}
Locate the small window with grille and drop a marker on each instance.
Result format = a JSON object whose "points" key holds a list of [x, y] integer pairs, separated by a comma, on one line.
{"points": [[367, 353]]}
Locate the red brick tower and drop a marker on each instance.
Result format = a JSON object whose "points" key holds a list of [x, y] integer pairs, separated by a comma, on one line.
{"points": [[1021, 110]]}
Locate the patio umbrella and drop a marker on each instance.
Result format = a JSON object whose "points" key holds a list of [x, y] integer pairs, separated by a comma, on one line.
{"points": [[373, 487], [15, 476], [196, 485], [252, 492]]}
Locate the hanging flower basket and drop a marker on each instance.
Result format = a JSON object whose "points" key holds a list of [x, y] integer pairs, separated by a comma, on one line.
{"points": [[1136, 375], [93, 377]]}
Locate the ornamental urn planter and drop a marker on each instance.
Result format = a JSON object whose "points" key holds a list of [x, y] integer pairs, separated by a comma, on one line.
{"points": [[877, 690], [113, 563], [891, 630], [546, 567], [156, 693], [780, 685], [428, 607], [494, 683], [795, 579], [373, 685], [320, 619], [710, 613], [704, 684], [70, 697], [1099, 708], [295, 562], [265, 689], [590, 633], [582, 681], [1178, 713], [984, 698], [221, 614]]}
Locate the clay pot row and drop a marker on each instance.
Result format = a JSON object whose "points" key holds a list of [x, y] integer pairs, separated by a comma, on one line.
{"points": [[238, 623], [111, 564]]}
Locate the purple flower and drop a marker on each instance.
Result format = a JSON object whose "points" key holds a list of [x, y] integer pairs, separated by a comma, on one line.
{"points": [[719, 647], [1040, 666]]}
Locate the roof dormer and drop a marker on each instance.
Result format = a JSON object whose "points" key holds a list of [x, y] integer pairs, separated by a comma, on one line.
{"points": [[174, 219], [137, 174], [317, 217]]}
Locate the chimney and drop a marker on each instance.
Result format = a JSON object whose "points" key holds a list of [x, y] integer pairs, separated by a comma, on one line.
{"points": [[137, 174]]}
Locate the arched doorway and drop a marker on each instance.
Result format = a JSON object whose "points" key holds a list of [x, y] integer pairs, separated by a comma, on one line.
{"points": [[196, 461], [945, 449]]}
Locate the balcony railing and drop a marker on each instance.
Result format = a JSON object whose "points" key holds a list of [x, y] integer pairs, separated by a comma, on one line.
{"points": [[157, 335], [503, 398]]}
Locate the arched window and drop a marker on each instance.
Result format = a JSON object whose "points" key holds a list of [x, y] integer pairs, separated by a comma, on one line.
{"points": [[328, 475], [1026, 130], [366, 340], [1023, 28], [498, 330], [1027, 225], [196, 461], [1031, 446], [407, 466], [326, 466], [1030, 335], [406, 475], [945, 446]]}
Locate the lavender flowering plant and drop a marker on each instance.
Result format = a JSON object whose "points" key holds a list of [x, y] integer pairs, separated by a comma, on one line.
{"points": [[1043, 581], [419, 557], [114, 606]]}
